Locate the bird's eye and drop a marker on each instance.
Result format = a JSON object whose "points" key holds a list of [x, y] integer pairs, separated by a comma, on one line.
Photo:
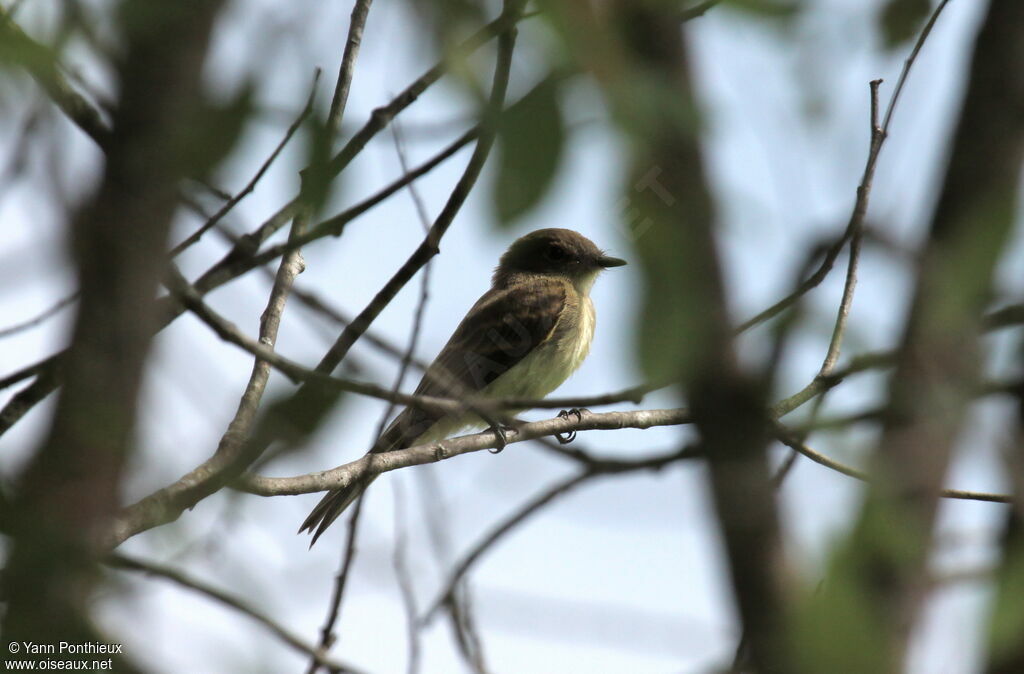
{"points": [[556, 253]]}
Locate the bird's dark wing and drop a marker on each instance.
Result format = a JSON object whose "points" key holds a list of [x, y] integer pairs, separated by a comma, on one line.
{"points": [[499, 331]]}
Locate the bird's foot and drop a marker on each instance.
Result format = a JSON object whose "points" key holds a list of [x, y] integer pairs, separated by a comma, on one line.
{"points": [[499, 431], [566, 438]]}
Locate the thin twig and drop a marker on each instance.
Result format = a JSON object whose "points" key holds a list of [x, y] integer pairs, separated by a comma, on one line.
{"points": [[813, 281], [317, 304], [243, 256], [123, 562], [404, 580], [417, 323], [790, 439], [467, 637], [346, 71], [437, 519], [833, 252], [877, 136], [424, 253], [542, 499], [787, 464], [225, 269], [382, 116], [32, 322], [520, 515], [41, 64], [854, 228], [406, 587], [327, 635], [241, 425], [251, 185], [909, 63]]}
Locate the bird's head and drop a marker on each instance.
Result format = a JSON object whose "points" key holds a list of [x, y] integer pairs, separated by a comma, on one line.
{"points": [[555, 252]]}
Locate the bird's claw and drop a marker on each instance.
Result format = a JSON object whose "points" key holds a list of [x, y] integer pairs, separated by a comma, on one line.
{"points": [[499, 432], [566, 438]]}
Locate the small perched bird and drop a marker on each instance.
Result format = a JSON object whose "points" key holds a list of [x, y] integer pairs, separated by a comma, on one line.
{"points": [[522, 339]]}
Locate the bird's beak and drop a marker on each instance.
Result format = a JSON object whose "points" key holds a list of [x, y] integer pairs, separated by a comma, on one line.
{"points": [[607, 261]]}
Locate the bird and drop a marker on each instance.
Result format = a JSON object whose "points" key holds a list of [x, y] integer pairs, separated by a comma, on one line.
{"points": [[525, 336]]}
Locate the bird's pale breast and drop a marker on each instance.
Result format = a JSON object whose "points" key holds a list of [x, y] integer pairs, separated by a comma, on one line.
{"points": [[540, 372]]}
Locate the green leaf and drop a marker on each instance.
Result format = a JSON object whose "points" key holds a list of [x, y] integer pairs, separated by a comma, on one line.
{"points": [[531, 138], [900, 20], [850, 623], [214, 130]]}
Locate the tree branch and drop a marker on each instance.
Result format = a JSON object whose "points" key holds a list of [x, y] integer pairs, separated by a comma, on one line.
{"points": [[40, 63], [251, 185], [937, 363], [122, 562], [373, 464], [531, 507], [357, 21], [69, 490]]}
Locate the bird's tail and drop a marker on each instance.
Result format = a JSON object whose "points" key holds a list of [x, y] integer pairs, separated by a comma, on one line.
{"points": [[401, 433], [331, 506]]}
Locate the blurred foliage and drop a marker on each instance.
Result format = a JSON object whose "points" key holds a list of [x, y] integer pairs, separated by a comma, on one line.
{"points": [[317, 181], [531, 139], [899, 20], [770, 9], [215, 129], [841, 625], [1007, 618]]}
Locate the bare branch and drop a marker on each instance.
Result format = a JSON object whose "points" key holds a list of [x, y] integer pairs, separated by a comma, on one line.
{"points": [[166, 504], [789, 438], [31, 323], [360, 10], [922, 37], [224, 270], [125, 563], [937, 366], [119, 240], [403, 576], [878, 136], [519, 516], [373, 464], [41, 64], [327, 636], [243, 256], [860, 209], [251, 185], [531, 507]]}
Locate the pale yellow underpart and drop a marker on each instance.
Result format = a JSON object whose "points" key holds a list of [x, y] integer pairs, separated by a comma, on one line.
{"points": [[543, 370]]}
